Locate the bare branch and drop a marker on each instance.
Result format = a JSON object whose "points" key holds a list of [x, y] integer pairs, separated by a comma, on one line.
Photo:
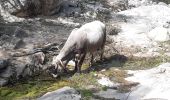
{"points": [[20, 4], [45, 49], [12, 5]]}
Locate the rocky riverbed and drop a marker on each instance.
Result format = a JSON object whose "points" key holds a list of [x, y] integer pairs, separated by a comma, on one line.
{"points": [[138, 31]]}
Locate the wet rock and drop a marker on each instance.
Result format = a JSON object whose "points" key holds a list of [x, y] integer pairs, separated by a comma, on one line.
{"points": [[65, 93], [3, 64]]}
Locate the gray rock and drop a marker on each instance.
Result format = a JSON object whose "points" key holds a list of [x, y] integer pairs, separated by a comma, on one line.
{"points": [[65, 93], [6, 73], [7, 17], [69, 8], [20, 33], [109, 94], [3, 82], [19, 44], [118, 5], [38, 59], [12, 36], [3, 63], [17, 68], [1, 19], [11, 5]]}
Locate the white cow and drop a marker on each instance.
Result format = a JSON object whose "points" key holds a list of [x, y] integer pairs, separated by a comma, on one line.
{"points": [[88, 38]]}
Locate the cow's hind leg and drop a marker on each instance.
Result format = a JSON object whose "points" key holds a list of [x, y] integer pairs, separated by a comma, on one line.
{"points": [[101, 53], [92, 59]]}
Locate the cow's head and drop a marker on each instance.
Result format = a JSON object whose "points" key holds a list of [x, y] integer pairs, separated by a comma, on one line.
{"points": [[57, 63], [56, 66]]}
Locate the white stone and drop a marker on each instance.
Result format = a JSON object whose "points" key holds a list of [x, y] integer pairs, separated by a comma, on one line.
{"points": [[137, 3], [139, 22], [159, 34], [167, 54], [162, 3], [154, 83], [65, 21], [106, 82]]}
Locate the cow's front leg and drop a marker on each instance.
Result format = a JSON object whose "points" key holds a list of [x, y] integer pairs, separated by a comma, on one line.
{"points": [[76, 58], [80, 62], [64, 66]]}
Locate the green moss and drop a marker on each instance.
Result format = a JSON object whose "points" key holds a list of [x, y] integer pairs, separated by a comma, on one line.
{"points": [[83, 80], [30, 89], [144, 63], [104, 88], [115, 75], [86, 94], [35, 87]]}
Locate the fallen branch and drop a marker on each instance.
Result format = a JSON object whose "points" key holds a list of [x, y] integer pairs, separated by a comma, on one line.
{"points": [[45, 49]]}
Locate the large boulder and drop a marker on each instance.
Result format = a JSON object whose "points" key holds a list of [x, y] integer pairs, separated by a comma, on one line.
{"points": [[40, 7], [13, 69], [30, 8], [65, 93], [150, 84], [154, 83], [12, 41], [141, 28]]}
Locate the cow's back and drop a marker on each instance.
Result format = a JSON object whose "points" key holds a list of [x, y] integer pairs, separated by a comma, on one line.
{"points": [[95, 33]]}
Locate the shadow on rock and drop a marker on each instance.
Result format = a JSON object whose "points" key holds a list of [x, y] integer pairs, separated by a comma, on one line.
{"points": [[113, 61]]}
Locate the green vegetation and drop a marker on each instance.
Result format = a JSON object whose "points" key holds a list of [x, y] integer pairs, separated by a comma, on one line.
{"points": [[81, 81], [144, 63], [86, 94], [30, 89], [85, 83]]}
